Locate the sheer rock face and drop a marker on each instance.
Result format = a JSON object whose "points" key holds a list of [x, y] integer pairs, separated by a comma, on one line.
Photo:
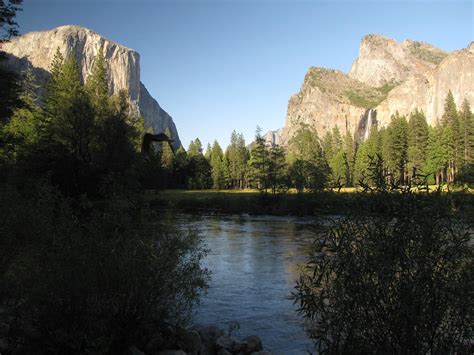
{"points": [[386, 78], [322, 104], [428, 90], [37, 49], [383, 60]]}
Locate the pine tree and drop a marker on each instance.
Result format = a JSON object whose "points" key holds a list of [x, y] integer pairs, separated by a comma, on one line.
{"points": [[259, 161], [217, 166], [397, 145], [328, 146], [71, 118], [8, 25], [349, 151], [97, 86], [195, 148], [53, 89], [167, 158], [277, 169], [365, 151], [180, 169], [436, 156], [237, 157], [417, 142], [306, 147], [208, 152], [467, 133]]}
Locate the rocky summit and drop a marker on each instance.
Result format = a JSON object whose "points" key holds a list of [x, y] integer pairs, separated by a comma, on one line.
{"points": [[387, 77], [36, 50]]}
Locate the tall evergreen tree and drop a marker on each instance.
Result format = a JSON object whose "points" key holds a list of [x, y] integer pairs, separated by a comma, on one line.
{"points": [[467, 133], [417, 142], [237, 157], [217, 166], [8, 24], [397, 145], [259, 161], [167, 154], [349, 151], [365, 151], [277, 167], [195, 148], [436, 156], [306, 152], [97, 86]]}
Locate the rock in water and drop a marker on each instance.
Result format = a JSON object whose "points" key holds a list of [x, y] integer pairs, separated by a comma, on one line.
{"points": [[37, 49]]}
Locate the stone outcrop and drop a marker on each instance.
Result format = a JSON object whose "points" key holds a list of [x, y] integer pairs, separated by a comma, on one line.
{"points": [[387, 77], [383, 60], [428, 90], [37, 49]]}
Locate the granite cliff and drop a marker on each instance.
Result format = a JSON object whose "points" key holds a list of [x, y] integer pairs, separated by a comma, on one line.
{"points": [[386, 77], [36, 49]]}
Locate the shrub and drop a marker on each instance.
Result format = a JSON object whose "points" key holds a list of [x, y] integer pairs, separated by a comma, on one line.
{"points": [[91, 277], [398, 281]]}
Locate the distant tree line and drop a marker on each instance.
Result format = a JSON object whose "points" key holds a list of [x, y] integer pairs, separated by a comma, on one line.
{"points": [[410, 149]]}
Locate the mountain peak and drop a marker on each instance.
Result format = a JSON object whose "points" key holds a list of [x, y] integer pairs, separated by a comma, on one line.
{"points": [[37, 50]]}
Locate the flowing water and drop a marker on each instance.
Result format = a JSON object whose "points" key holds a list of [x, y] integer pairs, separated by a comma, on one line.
{"points": [[254, 264]]}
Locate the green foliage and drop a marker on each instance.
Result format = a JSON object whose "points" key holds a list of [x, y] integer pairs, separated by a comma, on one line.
{"points": [[79, 277], [217, 166], [195, 148], [430, 55], [259, 162], [8, 25], [418, 133], [306, 153], [236, 157], [399, 281], [397, 145], [369, 98], [277, 169], [97, 86], [199, 172]]}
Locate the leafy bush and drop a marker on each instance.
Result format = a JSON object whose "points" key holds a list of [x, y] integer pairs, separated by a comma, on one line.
{"points": [[83, 277], [397, 281]]}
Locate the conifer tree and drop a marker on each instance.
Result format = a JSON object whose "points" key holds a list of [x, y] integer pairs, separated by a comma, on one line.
{"points": [[237, 157], [97, 86], [277, 169], [195, 148], [167, 154], [436, 156], [397, 145], [217, 166], [452, 137], [259, 161], [417, 142], [208, 152], [349, 151], [180, 169], [365, 151], [467, 133]]}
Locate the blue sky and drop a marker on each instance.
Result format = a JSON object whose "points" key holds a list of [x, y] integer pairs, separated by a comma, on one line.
{"points": [[216, 66]]}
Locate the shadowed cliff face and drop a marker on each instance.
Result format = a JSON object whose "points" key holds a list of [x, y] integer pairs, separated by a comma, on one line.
{"points": [[123, 64], [387, 77]]}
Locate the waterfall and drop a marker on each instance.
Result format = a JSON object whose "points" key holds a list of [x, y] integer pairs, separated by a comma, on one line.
{"points": [[368, 124]]}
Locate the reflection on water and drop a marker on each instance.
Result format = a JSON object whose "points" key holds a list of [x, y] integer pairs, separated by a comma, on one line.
{"points": [[254, 260]]}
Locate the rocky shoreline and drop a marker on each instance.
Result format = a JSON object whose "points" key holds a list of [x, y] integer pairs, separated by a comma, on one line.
{"points": [[204, 340]]}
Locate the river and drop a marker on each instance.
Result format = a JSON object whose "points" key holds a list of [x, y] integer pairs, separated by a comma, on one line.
{"points": [[254, 263]]}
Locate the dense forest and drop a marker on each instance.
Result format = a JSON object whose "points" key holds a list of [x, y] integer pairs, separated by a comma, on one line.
{"points": [[410, 148]]}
